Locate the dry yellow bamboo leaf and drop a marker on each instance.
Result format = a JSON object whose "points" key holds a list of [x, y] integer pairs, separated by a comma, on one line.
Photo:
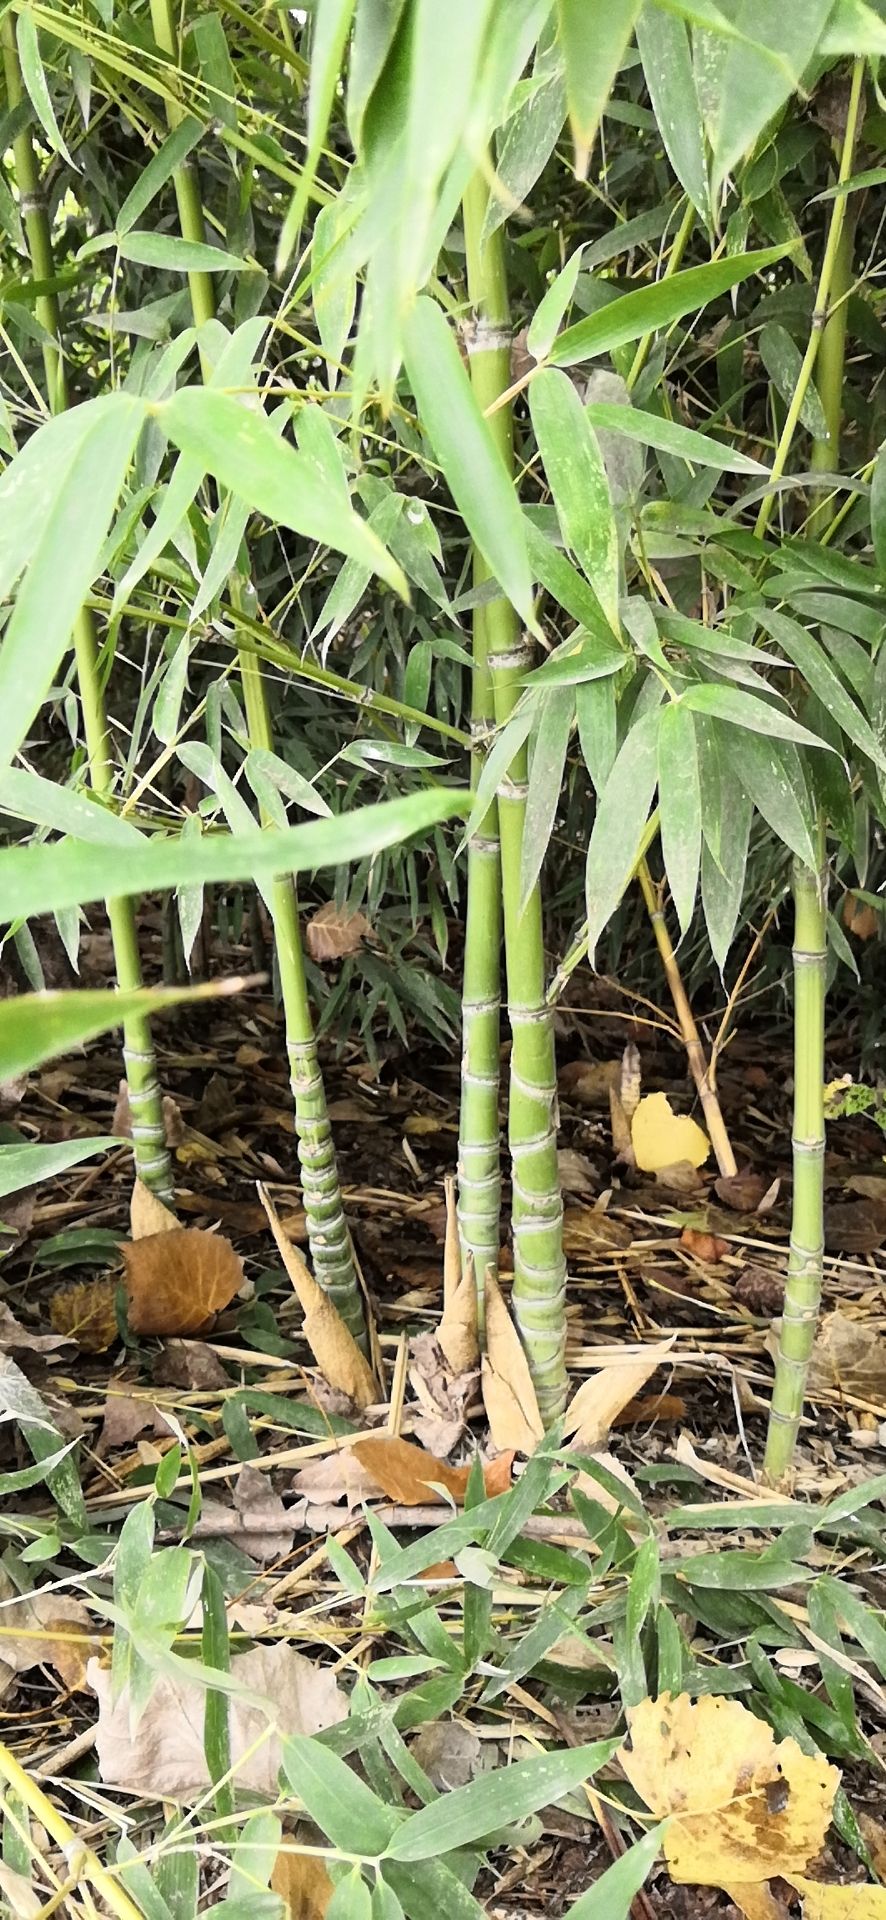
{"points": [[148, 1215], [457, 1332], [451, 1247], [600, 1398], [331, 1342], [662, 1138], [508, 1392], [303, 1884]]}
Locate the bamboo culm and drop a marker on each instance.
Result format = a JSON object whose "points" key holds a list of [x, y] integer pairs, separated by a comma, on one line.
{"points": [[805, 1260], [328, 1236], [537, 1210], [152, 1161]]}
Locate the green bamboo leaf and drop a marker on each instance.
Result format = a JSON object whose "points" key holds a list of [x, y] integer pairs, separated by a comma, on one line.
{"points": [[28, 796], [385, 1905], [680, 801], [560, 578], [594, 44], [784, 364], [472, 465], [622, 812], [878, 511], [503, 751], [772, 775], [753, 82], [346, 1810], [612, 1896], [63, 563], [160, 168], [170, 693], [549, 741], [21, 1402], [331, 26], [669, 437], [722, 882], [526, 143], [543, 326], [25, 1166], [577, 477], [467, 1814], [375, 29], [743, 710], [36, 1026], [853, 27], [38, 879], [666, 54], [333, 282], [36, 86], [261, 765], [595, 712], [584, 656], [168, 251], [649, 308], [31, 483], [241, 449], [813, 663], [429, 1889], [352, 1899]]}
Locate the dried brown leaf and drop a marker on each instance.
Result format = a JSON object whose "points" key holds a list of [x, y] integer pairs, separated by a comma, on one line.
{"points": [[45, 1629], [270, 1531], [508, 1393], [333, 932], [14, 1338], [450, 1754], [860, 918], [587, 1082], [163, 1757], [191, 1364], [742, 1192], [848, 1357], [303, 1884], [86, 1312], [602, 1397], [127, 1416], [147, 1214], [177, 1281], [331, 1342], [631, 1080], [705, 1246], [577, 1175], [20, 1894], [334, 1476]]}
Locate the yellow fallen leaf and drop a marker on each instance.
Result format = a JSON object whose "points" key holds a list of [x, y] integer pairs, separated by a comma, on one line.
{"points": [[822, 1902], [457, 1332], [743, 1807], [661, 1137], [756, 1902], [508, 1392], [600, 1398], [303, 1884], [177, 1282], [331, 1342], [147, 1214]]}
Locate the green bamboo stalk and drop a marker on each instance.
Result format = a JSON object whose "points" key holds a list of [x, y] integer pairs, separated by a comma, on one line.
{"points": [[831, 363], [328, 1236], [152, 1160], [537, 1210], [805, 1260]]}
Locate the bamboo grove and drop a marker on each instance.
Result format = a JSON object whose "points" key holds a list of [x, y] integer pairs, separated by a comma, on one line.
{"points": [[441, 423]]}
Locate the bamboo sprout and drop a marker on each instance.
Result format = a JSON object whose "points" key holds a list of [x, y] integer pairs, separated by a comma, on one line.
{"points": [[805, 1260], [537, 1210], [328, 1235], [152, 1161]]}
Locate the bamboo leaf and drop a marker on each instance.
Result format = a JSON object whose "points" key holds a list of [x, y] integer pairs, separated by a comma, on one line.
{"points": [[549, 742], [679, 799], [39, 879], [160, 168], [612, 1896], [28, 796], [784, 362], [472, 465], [169, 251], [669, 437], [241, 449], [820, 676], [346, 1810], [648, 309], [595, 712], [25, 1166], [722, 881], [772, 775], [560, 578], [754, 80], [34, 77], [594, 43], [467, 1814], [743, 710], [666, 54], [36, 1026], [170, 693], [64, 561], [878, 511], [331, 24], [527, 141], [542, 330], [577, 477], [853, 27], [584, 656], [622, 812]]}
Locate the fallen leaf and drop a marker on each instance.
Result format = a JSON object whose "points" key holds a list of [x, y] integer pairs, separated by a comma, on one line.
{"points": [[678, 1178], [742, 1808], [871, 1186], [577, 1175], [508, 1392], [854, 1226], [14, 1338], [331, 1342], [333, 932], [601, 1398], [177, 1281], [760, 1290], [457, 1332], [587, 1082], [303, 1884], [163, 1756], [873, 1834], [217, 1106], [20, 1894], [147, 1214], [821, 1902], [410, 1477], [662, 1138], [742, 1191], [86, 1312], [848, 1357], [591, 1230], [631, 1079], [757, 1902], [127, 1416], [191, 1364], [269, 1534], [334, 1476], [705, 1246], [860, 918], [450, 1754], [622, 1142], [653, 1406], [45, 1629]]}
